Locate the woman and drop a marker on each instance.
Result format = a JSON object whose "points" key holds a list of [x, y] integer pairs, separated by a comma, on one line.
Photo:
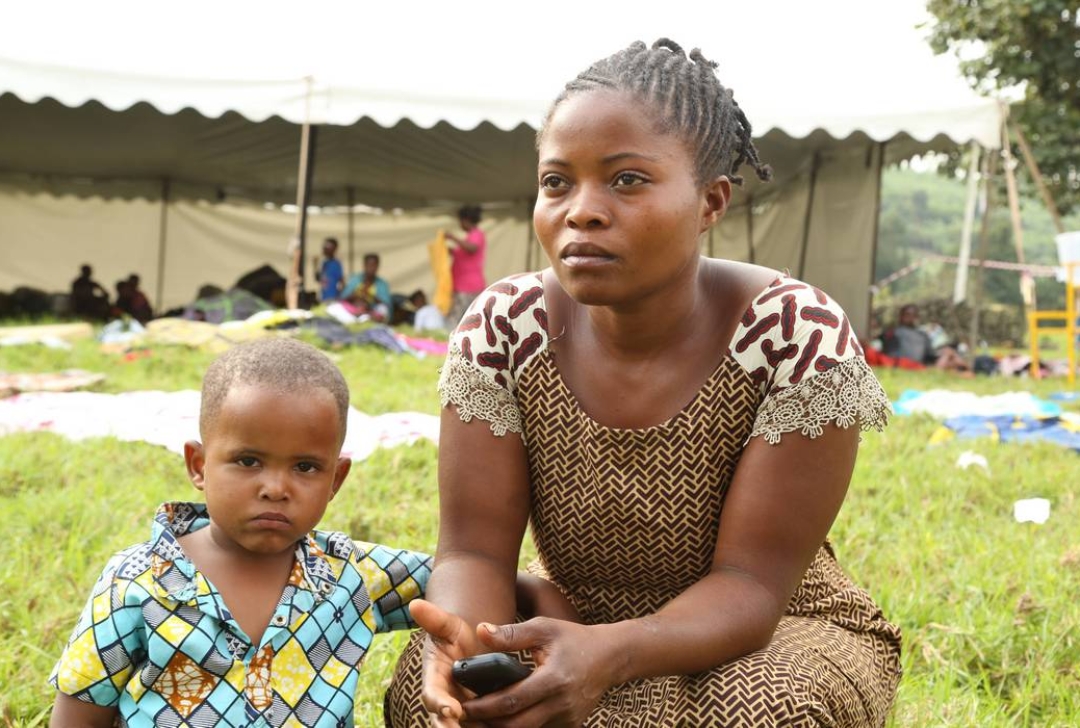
{"points": [[680, 431]]}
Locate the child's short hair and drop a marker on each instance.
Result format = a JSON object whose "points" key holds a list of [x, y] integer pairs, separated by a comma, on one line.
{"points": [[286, 365], [688, 100]]}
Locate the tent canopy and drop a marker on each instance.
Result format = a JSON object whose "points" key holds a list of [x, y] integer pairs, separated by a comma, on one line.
{"points": [[99, 116]]}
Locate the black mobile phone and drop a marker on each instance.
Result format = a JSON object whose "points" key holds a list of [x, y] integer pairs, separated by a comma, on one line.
{"points": [[485, 674]]}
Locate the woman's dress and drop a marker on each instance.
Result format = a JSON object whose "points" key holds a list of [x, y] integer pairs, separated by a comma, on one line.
{"points": [[624, 520]]}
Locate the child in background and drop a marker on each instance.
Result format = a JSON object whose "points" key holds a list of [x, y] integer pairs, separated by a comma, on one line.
{"points": [[236, 612]]}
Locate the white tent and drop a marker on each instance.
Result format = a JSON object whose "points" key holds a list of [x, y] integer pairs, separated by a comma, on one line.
{"points": [[169, 152]]}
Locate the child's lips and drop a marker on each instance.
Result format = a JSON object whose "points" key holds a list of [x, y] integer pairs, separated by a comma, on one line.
{"points": [[272, 520]]}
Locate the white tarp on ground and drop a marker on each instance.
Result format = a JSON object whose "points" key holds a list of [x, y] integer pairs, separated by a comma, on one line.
{"points": [[426, 106], [170, 419]]}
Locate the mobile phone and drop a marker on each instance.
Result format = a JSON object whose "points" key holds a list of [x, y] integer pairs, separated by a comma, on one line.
{"points": [[488, 673]]}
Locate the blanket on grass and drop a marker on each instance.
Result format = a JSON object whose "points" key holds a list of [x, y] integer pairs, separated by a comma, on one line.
{"points": [[170, 419], [1008, 417]]}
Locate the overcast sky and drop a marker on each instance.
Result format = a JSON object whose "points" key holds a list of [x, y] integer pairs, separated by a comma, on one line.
{"points": [[855, 54]]}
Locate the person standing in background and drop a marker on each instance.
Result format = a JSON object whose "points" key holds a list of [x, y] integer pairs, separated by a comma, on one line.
{"points": [[331, 275], [467, 268]]}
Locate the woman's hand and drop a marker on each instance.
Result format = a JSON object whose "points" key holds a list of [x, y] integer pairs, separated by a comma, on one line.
{"points": [[449, 638], [573, 674]]}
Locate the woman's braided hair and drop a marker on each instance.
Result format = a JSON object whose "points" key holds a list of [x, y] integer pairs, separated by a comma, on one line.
{"points": [[689, 100]]}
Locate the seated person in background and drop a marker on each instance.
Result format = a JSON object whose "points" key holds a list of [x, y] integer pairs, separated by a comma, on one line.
{"points": [[88, 298], [428, 316], [140, 309], [908, 341], [368, 292], [122, 305], [415, 311]]}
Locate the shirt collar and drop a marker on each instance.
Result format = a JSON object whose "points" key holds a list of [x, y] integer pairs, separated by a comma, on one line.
{"points": [[174, 573]]}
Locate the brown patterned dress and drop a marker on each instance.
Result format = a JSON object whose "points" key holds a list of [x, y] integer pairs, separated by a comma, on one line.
{"points": [[626, 519]]}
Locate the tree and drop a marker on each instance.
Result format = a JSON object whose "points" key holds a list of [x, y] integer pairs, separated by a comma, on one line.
{"points": [[1033, 44]]}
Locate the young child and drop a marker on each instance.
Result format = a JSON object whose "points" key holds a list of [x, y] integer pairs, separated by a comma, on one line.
{"points": [[236, 612]]}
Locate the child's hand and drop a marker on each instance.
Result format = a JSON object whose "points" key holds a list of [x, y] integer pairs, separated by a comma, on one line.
{"points": [[449, 638]]}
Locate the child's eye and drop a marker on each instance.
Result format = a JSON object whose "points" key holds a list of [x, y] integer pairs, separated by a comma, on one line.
{"points": [[628, 179], [247, 461], [307, 467], [552, 182]]}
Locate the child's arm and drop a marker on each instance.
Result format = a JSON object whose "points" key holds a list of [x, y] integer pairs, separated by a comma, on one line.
{"points": [[69, 712], [538, 597]]}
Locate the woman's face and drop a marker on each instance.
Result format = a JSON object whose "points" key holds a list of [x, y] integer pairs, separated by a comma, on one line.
{"points": [[619, 212]]}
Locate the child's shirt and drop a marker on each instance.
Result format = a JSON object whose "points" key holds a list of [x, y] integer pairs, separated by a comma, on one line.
{"points": [[156, 639]]}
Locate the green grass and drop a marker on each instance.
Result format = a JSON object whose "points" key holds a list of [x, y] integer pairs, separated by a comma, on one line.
{"points": [[988, 606]]}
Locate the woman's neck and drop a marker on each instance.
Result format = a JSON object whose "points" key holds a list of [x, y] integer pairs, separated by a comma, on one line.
{"points": [[661, 321]]}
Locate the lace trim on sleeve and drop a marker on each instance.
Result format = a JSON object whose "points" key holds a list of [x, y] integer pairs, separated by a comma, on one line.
{"points": [[474, 395], [848, 394]]}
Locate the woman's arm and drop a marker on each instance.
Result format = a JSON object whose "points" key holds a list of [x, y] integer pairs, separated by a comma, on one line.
{"points": [[463, 243], [483, 511], [778, 510]]}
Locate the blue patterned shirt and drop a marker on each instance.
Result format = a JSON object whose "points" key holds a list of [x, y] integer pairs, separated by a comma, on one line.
{"points": [[157, 641]]}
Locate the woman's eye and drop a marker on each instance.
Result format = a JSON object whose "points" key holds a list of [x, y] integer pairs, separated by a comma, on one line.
{"points": [[552, 182], [628, 179]]}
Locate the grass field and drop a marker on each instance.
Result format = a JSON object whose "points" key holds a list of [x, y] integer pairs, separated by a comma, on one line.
{"points": [[989, 607]]}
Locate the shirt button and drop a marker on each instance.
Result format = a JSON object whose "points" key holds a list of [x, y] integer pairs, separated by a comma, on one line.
{"points": [[326, 587], [279, 620]]}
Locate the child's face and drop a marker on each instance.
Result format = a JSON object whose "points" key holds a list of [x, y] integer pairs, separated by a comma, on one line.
{"points": [[619, 212], [269, 467]]}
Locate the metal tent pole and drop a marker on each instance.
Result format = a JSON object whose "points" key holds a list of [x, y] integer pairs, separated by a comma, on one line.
{"points": [[960, 285], [750, 229], [294, 284], [350, 197], [163, 228], [865, 325], [809, 214]]}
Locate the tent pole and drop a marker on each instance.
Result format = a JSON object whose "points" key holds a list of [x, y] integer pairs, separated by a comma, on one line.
{"points": [[865, 325], [1027, 284], [350, 197], [529, 208], [163, 225], [809, 213], [960, 285], [294, 284], [1036, 175], [750, 229], [984, 243]]}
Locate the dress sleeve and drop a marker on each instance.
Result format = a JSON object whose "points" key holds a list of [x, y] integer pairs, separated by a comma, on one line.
{"points": [[393, 578], [799, 347], [504, 328], [101, 655]]}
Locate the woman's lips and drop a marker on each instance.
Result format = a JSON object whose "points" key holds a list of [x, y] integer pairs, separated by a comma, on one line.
{"points": [[587, 261], [585, 255]]}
